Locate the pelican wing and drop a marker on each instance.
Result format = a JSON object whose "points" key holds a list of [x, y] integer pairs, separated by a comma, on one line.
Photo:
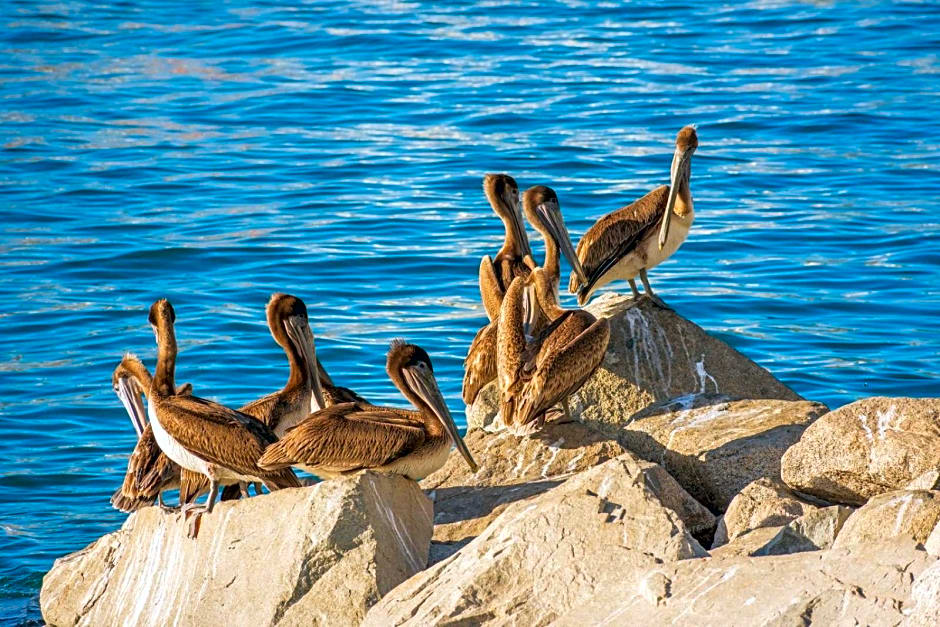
{"points": [[263, 409], [335, 395], [215, 433], [480, 364], [618, 233], [347, 437]]}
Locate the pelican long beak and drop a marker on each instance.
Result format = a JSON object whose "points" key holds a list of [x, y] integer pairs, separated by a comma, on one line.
{"points": [[551, 217], [422, 382], [133, 404], [518, 225], [677, 162], [300, 335]]}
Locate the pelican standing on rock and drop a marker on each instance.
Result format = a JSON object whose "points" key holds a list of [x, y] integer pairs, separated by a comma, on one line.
{"points": [[542, 210], [149, 471], [515, 257], [202, 436], [625, 243], [349, 437], [536, 373]]}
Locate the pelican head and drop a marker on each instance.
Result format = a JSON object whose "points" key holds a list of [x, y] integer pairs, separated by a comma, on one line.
{"points": [[290, 328], [161, 316], [503, 193], [410, 367], [544, 213], [686, 143], [129, 380]]}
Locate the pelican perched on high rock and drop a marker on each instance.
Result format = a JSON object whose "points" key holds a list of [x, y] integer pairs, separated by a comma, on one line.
{"points": [[542, 210], [625, 243], [515, 257], [349, 437], [537, 372], [219, 443], [149, 471]]}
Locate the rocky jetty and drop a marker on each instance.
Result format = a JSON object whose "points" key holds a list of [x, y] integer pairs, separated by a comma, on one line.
{"points": [[695, 489]]}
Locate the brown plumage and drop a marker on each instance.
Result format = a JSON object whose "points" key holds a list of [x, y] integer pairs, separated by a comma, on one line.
{"points": [[290, 328], [334, 394], [149, 471], [349, 437], [220, 443], [624, 244], [537, 373], [541, 207], [515, 257]]}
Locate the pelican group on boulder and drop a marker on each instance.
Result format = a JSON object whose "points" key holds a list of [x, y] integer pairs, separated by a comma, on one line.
{"points": [[538, 352]]}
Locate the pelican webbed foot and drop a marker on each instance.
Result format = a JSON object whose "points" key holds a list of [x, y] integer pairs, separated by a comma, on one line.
{"points": [[197, 510]]}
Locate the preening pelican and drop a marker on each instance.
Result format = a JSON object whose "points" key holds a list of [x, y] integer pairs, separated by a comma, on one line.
{"points": [[537, 372]]}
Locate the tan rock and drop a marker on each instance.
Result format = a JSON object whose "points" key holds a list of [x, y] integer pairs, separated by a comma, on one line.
{"points": [[932, 545], [907, 514], [540, 557], [653, 355], [762, 503], [926, 597], [865, 585], [929, 480], [866, 448], [748, 543], [320, 555], [813, 531], [715, 446], [517, 467]]}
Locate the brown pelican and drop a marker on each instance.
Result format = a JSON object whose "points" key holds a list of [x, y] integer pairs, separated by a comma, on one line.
{"points": [[202, 436], [514, 258], [536, 373], [543, 212], [287, 320], [350, 437], [624, 243], [149, 471]]}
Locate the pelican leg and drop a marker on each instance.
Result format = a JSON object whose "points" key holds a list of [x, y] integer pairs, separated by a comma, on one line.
{"points": [[243, 489], [567, 408], [656, 300], [199, 510], [636, 292], [258, 491], [163, 506]]}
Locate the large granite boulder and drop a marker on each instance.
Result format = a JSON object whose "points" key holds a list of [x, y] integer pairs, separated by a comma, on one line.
{"points": [[542, 556], [907, 514], [863, 585], [715, 446], [762, 503], [320, 555], [869, 447], [653, 355], [518, 467]]}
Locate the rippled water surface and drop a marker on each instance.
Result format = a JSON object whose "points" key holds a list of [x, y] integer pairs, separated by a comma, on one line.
{"points": [[215, 152]]}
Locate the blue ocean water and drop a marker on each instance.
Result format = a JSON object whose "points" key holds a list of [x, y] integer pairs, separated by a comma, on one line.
{"points": [[215, 152]]}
